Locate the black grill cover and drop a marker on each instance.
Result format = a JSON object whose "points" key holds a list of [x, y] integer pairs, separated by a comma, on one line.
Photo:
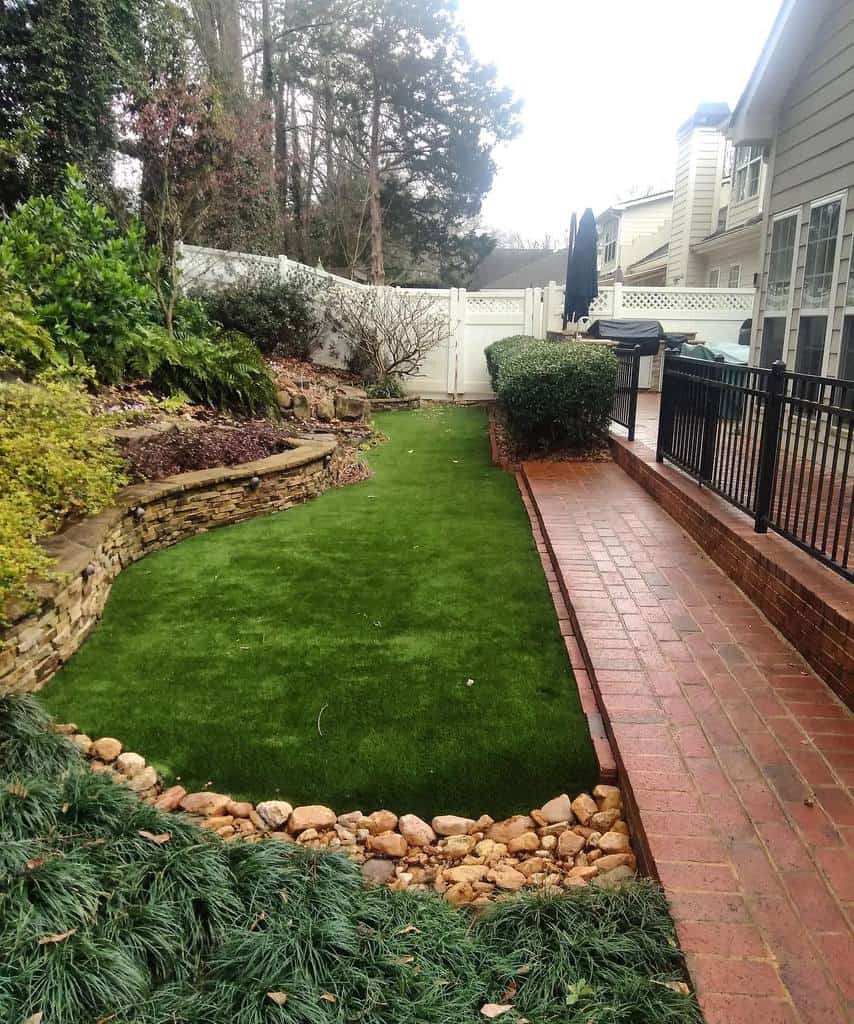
{"points": [[646, 333]]}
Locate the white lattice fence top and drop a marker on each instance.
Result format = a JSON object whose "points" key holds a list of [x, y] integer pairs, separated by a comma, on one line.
{"points": [[657, 301], [603, 303], [495, 304]]}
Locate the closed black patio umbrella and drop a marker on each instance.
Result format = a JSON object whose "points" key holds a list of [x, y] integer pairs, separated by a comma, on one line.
{"points": [[569, 248], [582, 279]]}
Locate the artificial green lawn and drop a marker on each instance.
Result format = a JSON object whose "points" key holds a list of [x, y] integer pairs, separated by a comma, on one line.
{"points": [[368, 610]]}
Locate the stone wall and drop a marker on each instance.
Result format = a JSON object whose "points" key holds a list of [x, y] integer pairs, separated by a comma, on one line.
{"points": [[90, 554]]}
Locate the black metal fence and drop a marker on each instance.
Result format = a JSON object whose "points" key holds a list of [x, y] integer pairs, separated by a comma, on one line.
{"points": [[775, 444], [625, 405]]}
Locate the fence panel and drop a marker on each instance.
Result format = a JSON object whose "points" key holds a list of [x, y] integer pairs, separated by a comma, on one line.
{"points": [[625, 405], [776, 445]]}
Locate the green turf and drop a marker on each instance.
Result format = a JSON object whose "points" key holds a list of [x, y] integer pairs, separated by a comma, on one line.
{"points": [[373, 604]]}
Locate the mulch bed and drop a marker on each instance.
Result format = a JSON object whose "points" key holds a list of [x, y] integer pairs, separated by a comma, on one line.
{"points": [[509, 452]]}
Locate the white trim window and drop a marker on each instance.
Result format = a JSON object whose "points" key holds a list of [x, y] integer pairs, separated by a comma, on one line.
{"points": [[778, 294], [846, 352], [748, 170], [715, 277], [733, 279], [820, 274], [609, 242]]}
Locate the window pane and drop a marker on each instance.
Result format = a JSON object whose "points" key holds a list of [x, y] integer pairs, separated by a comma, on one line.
{"points": [[714, 277], [846, 358], [773, 336], [821, 255], [753, 183], [811, 333], [780, 265], [734, 276]]}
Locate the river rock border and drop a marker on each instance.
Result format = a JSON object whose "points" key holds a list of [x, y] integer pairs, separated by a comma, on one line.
{"points": [[564, 844], [148, 516]]}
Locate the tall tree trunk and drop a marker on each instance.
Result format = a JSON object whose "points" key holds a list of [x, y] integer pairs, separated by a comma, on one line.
{"points": [[308, 203], [375, 205], [266, 57], [296, 178]]}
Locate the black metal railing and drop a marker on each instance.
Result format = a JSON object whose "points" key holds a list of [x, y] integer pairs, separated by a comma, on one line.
{"points": [[775, 444], [625, 405]]}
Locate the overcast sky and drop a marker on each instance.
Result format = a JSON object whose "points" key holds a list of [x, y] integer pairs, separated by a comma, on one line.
{"points": [[605, 85]]}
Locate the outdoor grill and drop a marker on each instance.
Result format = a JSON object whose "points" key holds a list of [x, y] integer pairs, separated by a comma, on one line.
{"points": [[648, 334]]}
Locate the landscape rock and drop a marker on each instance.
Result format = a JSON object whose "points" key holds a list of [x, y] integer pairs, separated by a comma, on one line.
{"points": [[466, 873], [349, 407], [532, 866], [378, 871], [613, 842], [300, 407], [239, 808], [613, 860], [107, 748], [275, 813], [325, 409], [285, 399], [603, 821], [614, 877], [527, 842], [310, 816], [350, 820], [460, 894], [557, 810], [142, 780], [380, 821], [507, 878], [584, 807], [452, 825], [416, 830], [130, 764], [208, 804], [82, 742], [569, 844], [457, 847], [504, 831], [389, 844], [170, 798], [608, 797]]}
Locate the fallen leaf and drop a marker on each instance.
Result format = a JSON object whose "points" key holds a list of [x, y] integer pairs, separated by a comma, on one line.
{"points": [[36, 1018], [279, 998], [409, 928], [510, 993], [45, 940], [160, 837], [328, 997], [493, 1010], [469, 682], [405, 959]]}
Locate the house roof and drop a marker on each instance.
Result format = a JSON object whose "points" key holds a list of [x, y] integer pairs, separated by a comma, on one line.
{"points": [[501, 262], [629, 204], [650, 257], [755, 116], [551, 266], [720, 239]]}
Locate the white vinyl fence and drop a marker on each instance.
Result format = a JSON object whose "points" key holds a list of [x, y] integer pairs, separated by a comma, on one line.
{"points": [[458, 367]]}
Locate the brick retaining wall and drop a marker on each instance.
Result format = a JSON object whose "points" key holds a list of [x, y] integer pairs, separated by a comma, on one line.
{"points": [[810, 605], [90, 554]]}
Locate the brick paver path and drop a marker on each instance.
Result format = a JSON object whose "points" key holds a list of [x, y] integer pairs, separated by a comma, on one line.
{"points": [[740, 760]]}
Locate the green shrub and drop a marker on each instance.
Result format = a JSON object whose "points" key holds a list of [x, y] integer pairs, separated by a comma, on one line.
{"points": [[556, 393], [83, 276], [281, 317], [388, 387], [56, 463], [24, 343], [500, 351]]}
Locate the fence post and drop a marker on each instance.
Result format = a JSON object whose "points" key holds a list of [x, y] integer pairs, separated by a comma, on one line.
{"points": [[633, 392], [711, 415], [618, 300], [665, 410], [768, 445], [283, 268]]}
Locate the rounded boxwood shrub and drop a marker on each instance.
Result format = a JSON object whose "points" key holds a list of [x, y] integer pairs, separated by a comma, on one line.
{"points": [[557, 393], [500, 351]]}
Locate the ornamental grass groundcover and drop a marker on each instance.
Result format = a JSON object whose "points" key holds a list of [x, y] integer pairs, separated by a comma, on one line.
{"points": [[390, 644], [113, 911]]}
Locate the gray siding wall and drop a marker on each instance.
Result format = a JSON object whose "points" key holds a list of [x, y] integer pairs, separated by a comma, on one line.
{"points": [[813, 158]]}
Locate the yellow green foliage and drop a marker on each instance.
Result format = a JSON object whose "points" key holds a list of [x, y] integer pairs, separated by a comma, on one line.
{"points": [[56, 463]]}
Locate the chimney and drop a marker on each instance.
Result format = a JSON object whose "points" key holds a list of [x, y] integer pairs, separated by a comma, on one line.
{"points": [[696, 190]]}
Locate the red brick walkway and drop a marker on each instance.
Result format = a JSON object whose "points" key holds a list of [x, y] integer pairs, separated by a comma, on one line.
{"points": [[739, 759]]}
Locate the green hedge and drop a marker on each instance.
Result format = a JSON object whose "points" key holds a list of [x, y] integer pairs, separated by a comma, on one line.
{"points": [[554, 393]]}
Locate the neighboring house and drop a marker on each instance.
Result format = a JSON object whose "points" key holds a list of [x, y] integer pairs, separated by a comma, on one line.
{"points": [[523, 268], [799, 104], [629, 231]]}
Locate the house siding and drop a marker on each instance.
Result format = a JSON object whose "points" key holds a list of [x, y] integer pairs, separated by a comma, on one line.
{"points": [[696, 200], [814, 158]]}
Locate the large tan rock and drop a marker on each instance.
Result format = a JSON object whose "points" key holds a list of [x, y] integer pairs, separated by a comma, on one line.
{"points": [[452, 825], [82, 742], [170, 798], [310, 816], [351, 407], [527, 842], [239, 808], [569, 844], [466, 873], [380, 821], [275, 813], [416, 830], [613, 842], [603, 821], [130, 764], [584, 807], [457, 847], [389, 844], [613, 860], [460, 894], [614, 877], [608, 797], [378, 871], [507, 878], [557, 810], [143, 780], [107, 748], [532, 866], [504, 831], [208, 804]]}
